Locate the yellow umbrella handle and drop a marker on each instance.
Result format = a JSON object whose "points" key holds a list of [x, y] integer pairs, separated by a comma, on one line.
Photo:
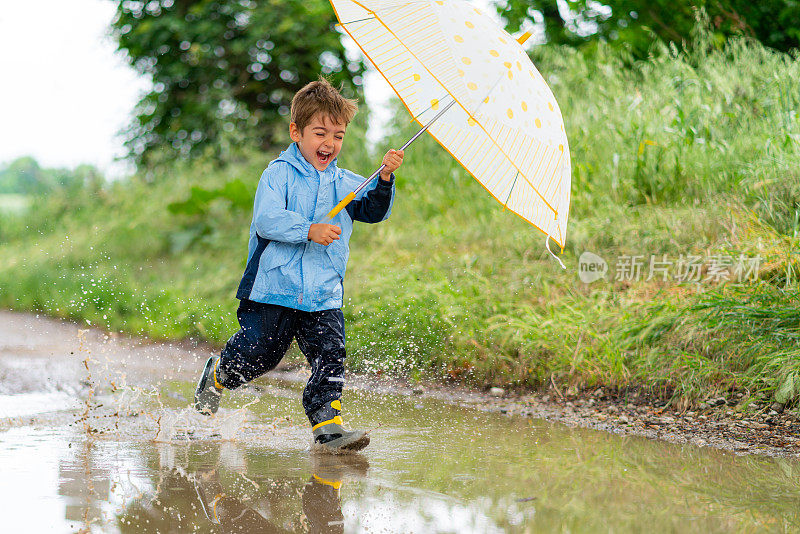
{"points": [[339, 207], [346, 200]]}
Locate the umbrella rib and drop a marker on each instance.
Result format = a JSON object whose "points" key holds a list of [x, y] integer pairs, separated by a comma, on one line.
{"points": [[426, 109], [519, 149], [358, 20], [511, 190]]}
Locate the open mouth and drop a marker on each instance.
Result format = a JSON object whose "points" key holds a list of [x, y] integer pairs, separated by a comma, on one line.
{"points": [[323, 157]]}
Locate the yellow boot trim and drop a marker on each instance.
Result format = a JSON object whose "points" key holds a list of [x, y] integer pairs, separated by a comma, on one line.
{"points": [[335, 484], [337, 420], [336, 405], [214, 374]]}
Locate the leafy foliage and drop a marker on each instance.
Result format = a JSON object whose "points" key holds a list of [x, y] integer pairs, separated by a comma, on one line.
{"points": [[224, 71], [635, 24], [197, 211]]}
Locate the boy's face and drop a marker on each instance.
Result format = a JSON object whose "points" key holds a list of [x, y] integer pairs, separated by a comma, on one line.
{"points": [[320, 141]]}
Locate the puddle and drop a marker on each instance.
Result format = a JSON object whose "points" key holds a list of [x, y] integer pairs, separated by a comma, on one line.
{"points": [[26, 404], [81, 450], [430, 468]]}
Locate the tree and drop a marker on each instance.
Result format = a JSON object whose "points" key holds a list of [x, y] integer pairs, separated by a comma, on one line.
{"points": [[636, 23], [224, 71], [24, 176]]}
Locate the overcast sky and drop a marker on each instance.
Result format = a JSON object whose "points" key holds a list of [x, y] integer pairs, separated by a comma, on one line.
{"points": [[65, 93]]}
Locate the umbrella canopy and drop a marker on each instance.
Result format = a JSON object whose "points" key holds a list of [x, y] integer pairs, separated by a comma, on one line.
{"points": [[505, 127]]}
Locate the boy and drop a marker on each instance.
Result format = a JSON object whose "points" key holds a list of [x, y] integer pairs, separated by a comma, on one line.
{"points": [[292, 285]]}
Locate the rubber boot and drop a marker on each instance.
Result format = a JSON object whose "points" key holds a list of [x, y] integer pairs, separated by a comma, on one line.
{"points": [[330, 435], [209, 390]]}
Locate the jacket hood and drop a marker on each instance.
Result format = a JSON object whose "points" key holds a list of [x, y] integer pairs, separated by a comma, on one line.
{"points": [[293, 157]]}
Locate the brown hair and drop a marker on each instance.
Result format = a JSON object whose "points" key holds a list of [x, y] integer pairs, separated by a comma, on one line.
{"points": [[321, 97]]}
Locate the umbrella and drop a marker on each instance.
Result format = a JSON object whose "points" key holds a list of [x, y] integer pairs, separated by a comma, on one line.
{"points": [[477, 93]]}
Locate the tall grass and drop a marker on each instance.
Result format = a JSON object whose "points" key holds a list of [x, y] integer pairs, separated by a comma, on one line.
{"points": [[681, 127], [690, 152]]}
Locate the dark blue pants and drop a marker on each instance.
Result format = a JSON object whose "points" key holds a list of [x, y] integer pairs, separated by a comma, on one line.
{"points": [[267, 330]]}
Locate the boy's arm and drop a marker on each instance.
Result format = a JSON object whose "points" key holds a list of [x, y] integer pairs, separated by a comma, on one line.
{"points": [[272, 220], [375, 205]]}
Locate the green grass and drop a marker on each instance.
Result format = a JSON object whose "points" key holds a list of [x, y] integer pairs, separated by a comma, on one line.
{"points": [[687, 153]]}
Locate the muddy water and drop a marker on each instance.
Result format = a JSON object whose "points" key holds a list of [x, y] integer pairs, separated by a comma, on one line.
{"points": [[96, 436]]}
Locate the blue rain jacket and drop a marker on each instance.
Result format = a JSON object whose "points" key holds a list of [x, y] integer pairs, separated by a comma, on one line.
{"points": [[283, 266]]}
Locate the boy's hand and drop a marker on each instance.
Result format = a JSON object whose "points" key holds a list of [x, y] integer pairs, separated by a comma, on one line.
{"points": [[324, 234], [393, 159]]}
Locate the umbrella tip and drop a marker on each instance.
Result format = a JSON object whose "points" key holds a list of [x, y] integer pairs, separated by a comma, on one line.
{"points": [[524, 37]]}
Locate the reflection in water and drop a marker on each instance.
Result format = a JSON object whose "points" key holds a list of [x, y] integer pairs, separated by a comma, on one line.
{"points": [[216, 487], [322, 504], [84, 486], [239, 509], [504, 475]]}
